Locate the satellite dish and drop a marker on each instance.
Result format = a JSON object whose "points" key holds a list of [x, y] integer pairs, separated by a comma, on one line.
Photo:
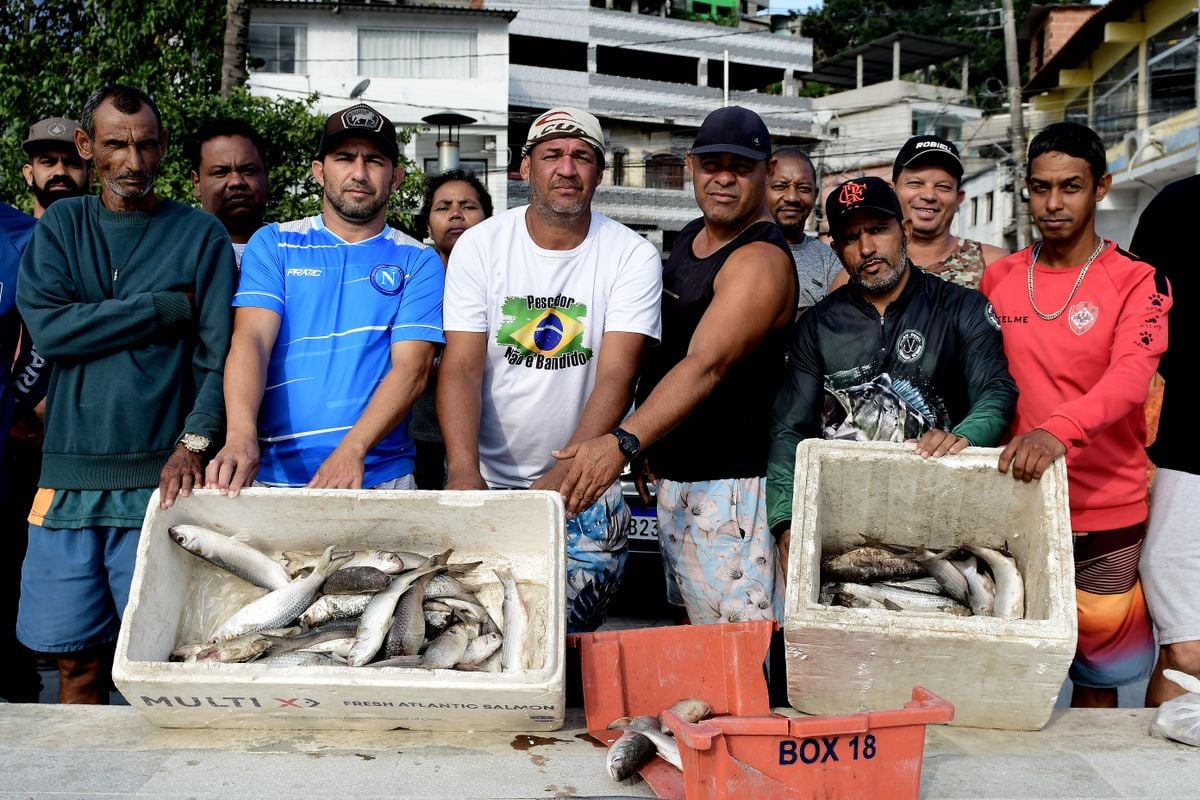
{"points": [[359, 88]]}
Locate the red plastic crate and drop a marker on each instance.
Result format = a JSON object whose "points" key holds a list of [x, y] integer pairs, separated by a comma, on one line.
{"points": [[746, 752]]}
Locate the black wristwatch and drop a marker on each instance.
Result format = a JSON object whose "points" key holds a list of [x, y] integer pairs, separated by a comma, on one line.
{"points": [[629, 444]]}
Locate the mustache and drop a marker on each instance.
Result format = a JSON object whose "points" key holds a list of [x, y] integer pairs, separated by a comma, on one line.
{"points": [[61, 180], [133, 174]]}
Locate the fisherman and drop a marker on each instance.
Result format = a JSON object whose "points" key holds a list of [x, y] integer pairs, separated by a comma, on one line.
{"points": [[1084, 325], [703, 399], [548, 309], [455, 200], [898, 356], [303, 412], [127, 295], [1169, 566], [229, 176], [792, 192], [927, 174]]}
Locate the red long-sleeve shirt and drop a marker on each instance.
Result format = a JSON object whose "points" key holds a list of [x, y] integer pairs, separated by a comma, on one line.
{"points": [[1084, 376]]}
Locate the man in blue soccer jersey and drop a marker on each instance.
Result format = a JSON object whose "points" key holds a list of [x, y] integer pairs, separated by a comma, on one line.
{"points": [[337, 320]]}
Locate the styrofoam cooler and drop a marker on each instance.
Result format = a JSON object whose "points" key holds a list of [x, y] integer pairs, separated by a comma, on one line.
{"points": [[519, 530], [997, 673]]}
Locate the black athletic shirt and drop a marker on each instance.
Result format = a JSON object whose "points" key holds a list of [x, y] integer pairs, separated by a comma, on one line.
{"points": [[727, 435]]}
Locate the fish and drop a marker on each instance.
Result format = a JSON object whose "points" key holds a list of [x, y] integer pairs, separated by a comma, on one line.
{"points": [[443, 585], [391, 563], [332, 630], [691, 710], [514, 653], [471, 611], [979, 597], [356, 580], [492, 663], [334, 606], [946, 574], [231, 555], [1009, 602], [630, 750], [442, 653], [376, 619], [480, 649], [407, 632], [882, 410], [300, 658], [242, 648], [905, 599], [651, 727], [927, 585], [282, 606], [870, 564]]}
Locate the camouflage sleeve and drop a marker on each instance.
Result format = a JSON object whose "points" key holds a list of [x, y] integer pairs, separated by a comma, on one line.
{"points": [[991, 391], [796, 416]]}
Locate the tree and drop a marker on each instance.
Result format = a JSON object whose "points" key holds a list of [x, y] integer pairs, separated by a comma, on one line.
{"points": [[840, 25], [55, 53], [237, 32]]}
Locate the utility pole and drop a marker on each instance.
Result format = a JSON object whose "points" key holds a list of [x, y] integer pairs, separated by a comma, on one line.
{"points": [[1017, 125]]}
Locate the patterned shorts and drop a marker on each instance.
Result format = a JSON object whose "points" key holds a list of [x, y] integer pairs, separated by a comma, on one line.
{"points": [[597, 548], [718, 549]]}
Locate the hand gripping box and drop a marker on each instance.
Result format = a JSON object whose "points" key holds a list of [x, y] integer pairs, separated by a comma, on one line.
{"points": [[997, 673], [177, 598]]}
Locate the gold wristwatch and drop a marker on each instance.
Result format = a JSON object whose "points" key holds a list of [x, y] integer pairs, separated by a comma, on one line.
{"points": [[195, 442]]}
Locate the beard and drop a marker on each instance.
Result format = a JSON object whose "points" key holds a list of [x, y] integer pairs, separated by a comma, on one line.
{"points": [[885, 282], [547, 207], [120, 189], [355, 210], [47, 194]]}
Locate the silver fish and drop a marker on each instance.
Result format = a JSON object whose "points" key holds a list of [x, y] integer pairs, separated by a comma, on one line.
{"points": [[1010, 587], [514, 653], [335, 629], [448, 586], [923, 585], [979, 597], [650, 727], [243, 648], [339, 647], [442, 653], [376, 618], [231, 555], [301, 658], [630, 750], [480, 649], [914, 601], [407, 632], [946, 574], [334, 606], [282, 606], [391, 563]]}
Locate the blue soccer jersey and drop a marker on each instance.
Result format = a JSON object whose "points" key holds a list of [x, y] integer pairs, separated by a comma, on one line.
{"points": [[342, 305]]}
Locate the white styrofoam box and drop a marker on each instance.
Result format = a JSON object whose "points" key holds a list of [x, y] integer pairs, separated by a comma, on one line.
{"points": [[998, 673], [519, 530]]}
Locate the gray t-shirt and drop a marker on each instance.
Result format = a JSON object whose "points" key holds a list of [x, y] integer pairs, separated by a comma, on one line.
{"points": [[816, 267]]}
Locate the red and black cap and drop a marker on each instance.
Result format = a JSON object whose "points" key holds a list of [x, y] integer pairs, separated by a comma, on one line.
{"points": [[860, 193]]}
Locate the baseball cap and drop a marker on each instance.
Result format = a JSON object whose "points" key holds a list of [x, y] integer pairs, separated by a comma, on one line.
{"points": [[931, 150], [360, 121], [869, 192], [565, 123], [58, 131], [736, 130]]}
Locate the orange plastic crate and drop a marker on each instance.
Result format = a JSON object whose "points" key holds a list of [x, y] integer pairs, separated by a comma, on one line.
{"points": [[746, 752]]}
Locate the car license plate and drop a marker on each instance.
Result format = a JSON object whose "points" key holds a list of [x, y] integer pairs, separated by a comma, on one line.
{"points": [[645, 524]]}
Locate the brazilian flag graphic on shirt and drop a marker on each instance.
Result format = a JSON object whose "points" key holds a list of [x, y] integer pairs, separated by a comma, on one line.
{"points": [[535, 329]]}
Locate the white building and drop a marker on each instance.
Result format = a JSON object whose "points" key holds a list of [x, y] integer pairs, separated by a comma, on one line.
{"points": [[418, 59]]}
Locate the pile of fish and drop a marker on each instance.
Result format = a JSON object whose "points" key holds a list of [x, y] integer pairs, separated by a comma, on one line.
{"points": [[369, 608], [965, 580], [643, 737]]}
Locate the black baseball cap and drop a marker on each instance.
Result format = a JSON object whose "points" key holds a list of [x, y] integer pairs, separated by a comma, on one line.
{"points": [[928, 150], [870, 193], [360, 121], [736, 130]]}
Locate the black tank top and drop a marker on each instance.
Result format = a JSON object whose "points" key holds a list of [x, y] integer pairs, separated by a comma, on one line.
{"points": [[727, 435]]}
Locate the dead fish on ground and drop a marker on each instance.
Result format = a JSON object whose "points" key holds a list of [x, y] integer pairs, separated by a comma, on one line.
{"points": [[630, 750], [231, 555]]}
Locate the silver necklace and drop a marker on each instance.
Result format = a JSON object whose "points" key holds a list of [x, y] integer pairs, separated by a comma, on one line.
{"points": [[1037, 249]]}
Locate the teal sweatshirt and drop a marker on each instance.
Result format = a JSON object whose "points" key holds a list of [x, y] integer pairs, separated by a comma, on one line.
{"points": [[136, 362]]}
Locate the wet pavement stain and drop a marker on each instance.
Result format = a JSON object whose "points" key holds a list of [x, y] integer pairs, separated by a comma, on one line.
{"points": [[587, 737], [365, 757], [526, 741], [539, 761]]}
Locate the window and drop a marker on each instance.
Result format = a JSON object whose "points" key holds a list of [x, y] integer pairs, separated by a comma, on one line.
{"points": [[617, 156], [1116, 100], [664, 172], [974, 211], [278, 48], [990, 205], [416, 53], [940, 124], [1171, 61], [478, 166]]}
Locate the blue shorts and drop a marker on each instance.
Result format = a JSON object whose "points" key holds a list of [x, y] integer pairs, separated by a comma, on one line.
{"points": [[597, 548], [74, 587]]}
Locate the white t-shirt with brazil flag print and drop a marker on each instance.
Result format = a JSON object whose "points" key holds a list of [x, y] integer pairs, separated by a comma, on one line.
{"points": [[544, 313]]}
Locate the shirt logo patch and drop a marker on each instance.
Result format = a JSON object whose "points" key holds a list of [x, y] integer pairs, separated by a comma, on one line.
{"points": [[852, 193], [910, 345], [991, 316], [388, 279], [304, 273], [544, 332], [1083, 316]]}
